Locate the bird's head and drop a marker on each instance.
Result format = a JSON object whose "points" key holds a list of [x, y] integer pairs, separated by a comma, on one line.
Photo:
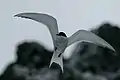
{"points": [[62, 34]]}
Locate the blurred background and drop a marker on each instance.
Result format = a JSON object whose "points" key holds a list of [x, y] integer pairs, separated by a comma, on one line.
{"points": [[71, 16]]}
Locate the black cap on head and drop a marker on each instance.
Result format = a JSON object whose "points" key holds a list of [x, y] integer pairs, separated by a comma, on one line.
{"points": [[62, 34]]}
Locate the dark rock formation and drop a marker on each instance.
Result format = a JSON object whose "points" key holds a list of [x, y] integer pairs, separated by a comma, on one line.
{"points": [[31, 56], [95, 59]]}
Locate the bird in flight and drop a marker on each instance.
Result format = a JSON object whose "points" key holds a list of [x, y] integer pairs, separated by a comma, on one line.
{"points": [[60, 40]]}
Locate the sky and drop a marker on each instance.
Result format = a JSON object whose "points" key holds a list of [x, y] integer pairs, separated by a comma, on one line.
{"points": [[71, 16]]}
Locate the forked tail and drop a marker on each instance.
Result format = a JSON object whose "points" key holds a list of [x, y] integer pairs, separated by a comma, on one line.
{"points": [[57, 59]]}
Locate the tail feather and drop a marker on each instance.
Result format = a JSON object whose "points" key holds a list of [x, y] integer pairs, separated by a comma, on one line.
{"points": [[57, 60]]}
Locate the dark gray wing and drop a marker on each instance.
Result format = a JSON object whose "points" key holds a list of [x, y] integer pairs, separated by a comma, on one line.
{"points": [[45, 19], [87, 36]]}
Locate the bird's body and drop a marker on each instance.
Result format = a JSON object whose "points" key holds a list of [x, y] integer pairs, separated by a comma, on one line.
{"points": [[60, 46], [60, 40]]}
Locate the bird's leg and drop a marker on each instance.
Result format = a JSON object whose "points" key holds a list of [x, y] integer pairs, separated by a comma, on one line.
{"points": [[59, 55], [55, 48]]}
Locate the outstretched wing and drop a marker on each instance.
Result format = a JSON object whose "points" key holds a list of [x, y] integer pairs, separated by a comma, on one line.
{"points": [[45, 19], [87, 36]]}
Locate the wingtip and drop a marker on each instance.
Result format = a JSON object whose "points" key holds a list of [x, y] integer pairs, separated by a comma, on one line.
{"points": [[17, 15], [114, 51], [113, 48], [20, 14]]}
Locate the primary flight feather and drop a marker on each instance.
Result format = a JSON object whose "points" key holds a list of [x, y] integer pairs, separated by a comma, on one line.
{"points": [[60, 40], [47, 20]]}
